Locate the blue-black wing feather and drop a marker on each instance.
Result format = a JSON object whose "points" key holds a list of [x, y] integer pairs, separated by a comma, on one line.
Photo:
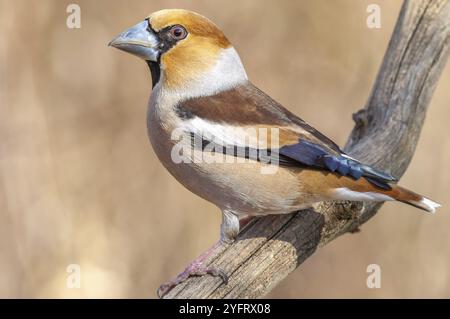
{"points": [[316, 156]]}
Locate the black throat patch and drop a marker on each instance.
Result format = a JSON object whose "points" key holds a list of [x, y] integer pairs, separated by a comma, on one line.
{"points": [[155, 71]]}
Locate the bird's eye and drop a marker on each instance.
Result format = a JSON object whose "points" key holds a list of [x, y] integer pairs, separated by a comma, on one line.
{"points": [[178, 32]]}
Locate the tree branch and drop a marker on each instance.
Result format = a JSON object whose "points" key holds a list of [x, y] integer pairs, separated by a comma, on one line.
{"points": [[385, 136]]}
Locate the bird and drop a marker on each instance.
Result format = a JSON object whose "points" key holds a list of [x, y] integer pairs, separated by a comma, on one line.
{"points": [[230, 143]]}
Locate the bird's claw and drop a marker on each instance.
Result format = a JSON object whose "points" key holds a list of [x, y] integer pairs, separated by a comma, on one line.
{"points": [[191, 271]]}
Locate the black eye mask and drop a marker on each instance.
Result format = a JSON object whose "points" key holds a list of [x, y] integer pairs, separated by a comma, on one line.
{"points": [[166, 42]]}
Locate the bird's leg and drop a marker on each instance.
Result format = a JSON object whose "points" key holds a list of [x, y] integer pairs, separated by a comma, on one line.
{"points": [[230, 227], [228, 232]]}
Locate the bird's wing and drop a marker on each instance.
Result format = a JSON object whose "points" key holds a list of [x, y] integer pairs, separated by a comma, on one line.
{"points": [[229, 116]]}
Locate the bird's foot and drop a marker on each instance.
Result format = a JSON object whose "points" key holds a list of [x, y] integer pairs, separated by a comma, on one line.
{"points": [[191, 271], [196, 269]]}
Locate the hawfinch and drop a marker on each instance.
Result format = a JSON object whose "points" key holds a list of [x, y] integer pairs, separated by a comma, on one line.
{"points": [[232, 144]]}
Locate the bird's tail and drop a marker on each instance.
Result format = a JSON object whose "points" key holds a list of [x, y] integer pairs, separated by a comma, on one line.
{"points": [[409, 197], [363, 190]]}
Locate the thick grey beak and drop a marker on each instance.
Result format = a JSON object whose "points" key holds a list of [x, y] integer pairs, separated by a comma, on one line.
{"points": [[138, 40]]}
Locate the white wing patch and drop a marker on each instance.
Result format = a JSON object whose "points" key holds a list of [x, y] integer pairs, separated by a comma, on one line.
{"points": [[222, 134]]}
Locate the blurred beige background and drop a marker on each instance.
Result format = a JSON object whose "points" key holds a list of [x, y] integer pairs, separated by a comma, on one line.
{"points": [[79, 183]]}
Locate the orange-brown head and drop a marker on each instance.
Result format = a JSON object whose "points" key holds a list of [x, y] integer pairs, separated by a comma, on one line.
{"points": [[184, 49]]}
